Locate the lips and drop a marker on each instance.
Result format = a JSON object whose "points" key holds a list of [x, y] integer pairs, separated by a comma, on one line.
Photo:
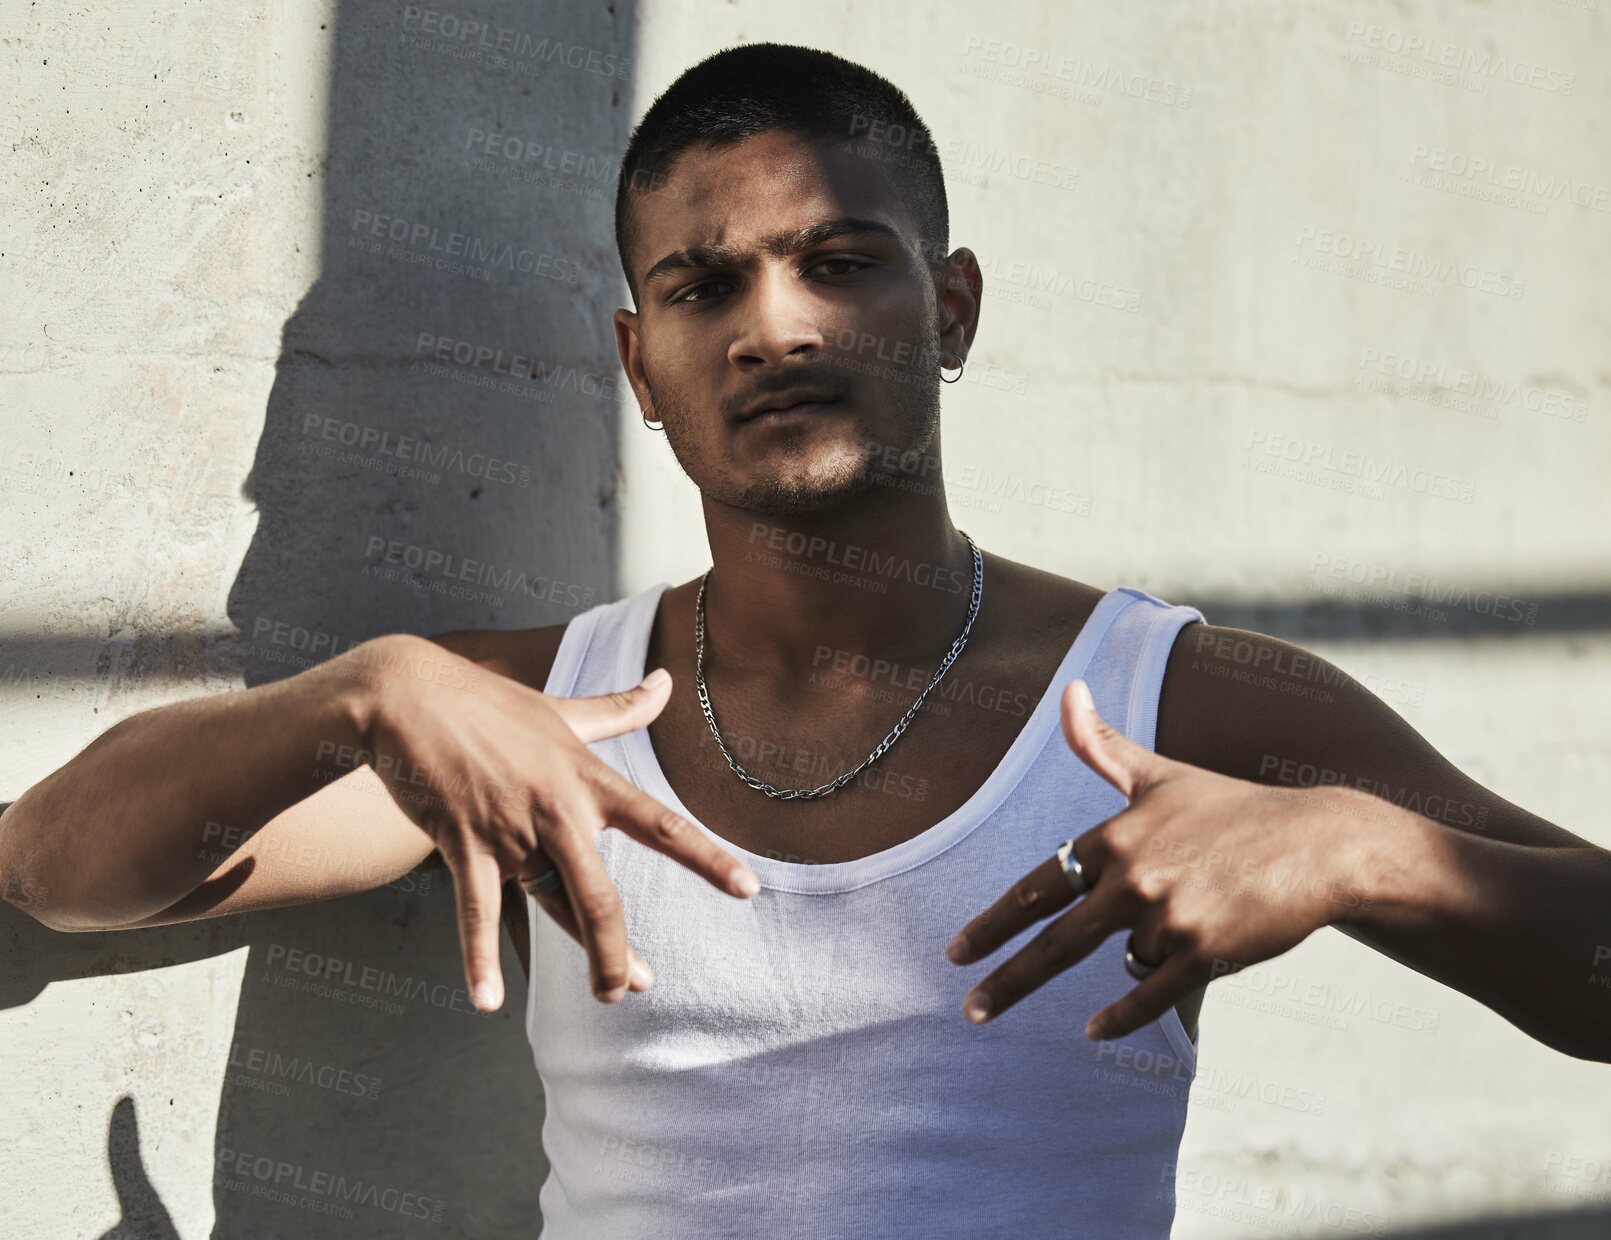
{"points": [[786, 401]]}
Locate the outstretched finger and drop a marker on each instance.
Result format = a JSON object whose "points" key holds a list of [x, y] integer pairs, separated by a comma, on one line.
{"points": [[1062, 945], [1043, 891], [558, 907], [594, 901], [1174, 979], [631, 809], [478, 890]]}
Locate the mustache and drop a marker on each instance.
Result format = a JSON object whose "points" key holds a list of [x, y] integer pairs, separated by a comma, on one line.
{"points": [[818, 378]]}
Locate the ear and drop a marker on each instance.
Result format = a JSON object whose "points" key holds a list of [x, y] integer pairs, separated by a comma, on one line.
{"points": [[1112, 755], [959, 287], [627, 347]]}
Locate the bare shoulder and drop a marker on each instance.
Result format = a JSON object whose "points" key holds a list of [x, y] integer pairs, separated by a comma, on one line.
{"points": [[1240, 702], [1039, 596], [523, 655]]}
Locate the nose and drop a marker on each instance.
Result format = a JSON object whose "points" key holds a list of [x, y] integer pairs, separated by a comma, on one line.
{"points": [[778, 322]]}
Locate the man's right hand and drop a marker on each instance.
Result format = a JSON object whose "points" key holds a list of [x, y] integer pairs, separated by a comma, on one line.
{"points": [[500, 777]]}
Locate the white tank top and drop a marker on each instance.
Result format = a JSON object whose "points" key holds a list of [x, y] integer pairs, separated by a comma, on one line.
{"points": [[802, 1066]]}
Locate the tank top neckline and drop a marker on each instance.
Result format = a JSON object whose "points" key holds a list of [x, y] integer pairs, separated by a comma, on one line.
{"points": [[835, 877]]}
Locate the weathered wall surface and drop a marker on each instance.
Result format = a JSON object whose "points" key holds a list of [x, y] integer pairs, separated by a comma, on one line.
{"points": [[265, 286], [1296, 312]]}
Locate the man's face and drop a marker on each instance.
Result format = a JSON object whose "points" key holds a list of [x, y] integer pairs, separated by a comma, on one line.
{"points": [[740, 306]]}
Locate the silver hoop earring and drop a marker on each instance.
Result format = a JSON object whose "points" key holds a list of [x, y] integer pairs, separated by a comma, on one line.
{"points": [[960, 369], [654, 426]]}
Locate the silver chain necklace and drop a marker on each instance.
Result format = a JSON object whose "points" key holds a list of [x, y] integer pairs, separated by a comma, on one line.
{"points": [[789, 794]]}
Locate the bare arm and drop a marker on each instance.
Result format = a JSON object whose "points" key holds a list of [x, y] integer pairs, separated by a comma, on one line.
{"points": [[346, 838], [1211, 869], [1454, 881], [146, 811], [226, 804]]}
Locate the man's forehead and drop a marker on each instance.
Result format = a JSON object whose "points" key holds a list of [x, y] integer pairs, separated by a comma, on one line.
{"points": [[759, 194]]}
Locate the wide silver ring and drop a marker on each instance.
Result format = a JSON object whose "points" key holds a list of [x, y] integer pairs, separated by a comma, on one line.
{"points": [[544, 883], [1072, 870], [1136, 968]]}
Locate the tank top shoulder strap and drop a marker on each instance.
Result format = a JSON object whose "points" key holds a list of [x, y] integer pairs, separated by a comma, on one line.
{"points": [[603, 649], [1126, 676]]}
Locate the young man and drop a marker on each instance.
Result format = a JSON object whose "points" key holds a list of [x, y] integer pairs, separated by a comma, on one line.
{"points": [[858, 751]]}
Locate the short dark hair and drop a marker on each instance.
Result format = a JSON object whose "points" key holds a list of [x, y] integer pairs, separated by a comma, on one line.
{"points": [[757, 87]]}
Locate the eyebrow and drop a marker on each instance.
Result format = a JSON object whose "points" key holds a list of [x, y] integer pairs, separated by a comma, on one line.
{"points": [[780, 245]]}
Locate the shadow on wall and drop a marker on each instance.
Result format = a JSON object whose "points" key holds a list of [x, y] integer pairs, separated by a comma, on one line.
{"points": [[438, 452], [141, 1214]]}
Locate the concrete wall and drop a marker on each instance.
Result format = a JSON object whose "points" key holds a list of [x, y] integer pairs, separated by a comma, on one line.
{"points": [[1295, 312]]}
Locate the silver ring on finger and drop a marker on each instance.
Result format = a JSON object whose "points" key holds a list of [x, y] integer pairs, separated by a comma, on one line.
{"points": [[1134, 965], [1072, 870], [546, 882]]}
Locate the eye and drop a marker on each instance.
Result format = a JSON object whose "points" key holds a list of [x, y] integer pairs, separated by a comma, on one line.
{"points": [[688, 294], [854, 265]]}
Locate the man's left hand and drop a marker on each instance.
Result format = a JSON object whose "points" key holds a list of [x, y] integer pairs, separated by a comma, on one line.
{"points": [[1209, 873]]}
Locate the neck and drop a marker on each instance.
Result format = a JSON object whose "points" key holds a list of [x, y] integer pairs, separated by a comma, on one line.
{"points": [[885, 575]]}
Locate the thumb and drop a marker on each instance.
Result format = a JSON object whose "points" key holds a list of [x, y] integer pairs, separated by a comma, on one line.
{"points": [[1107, 751], [610, 714]]}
